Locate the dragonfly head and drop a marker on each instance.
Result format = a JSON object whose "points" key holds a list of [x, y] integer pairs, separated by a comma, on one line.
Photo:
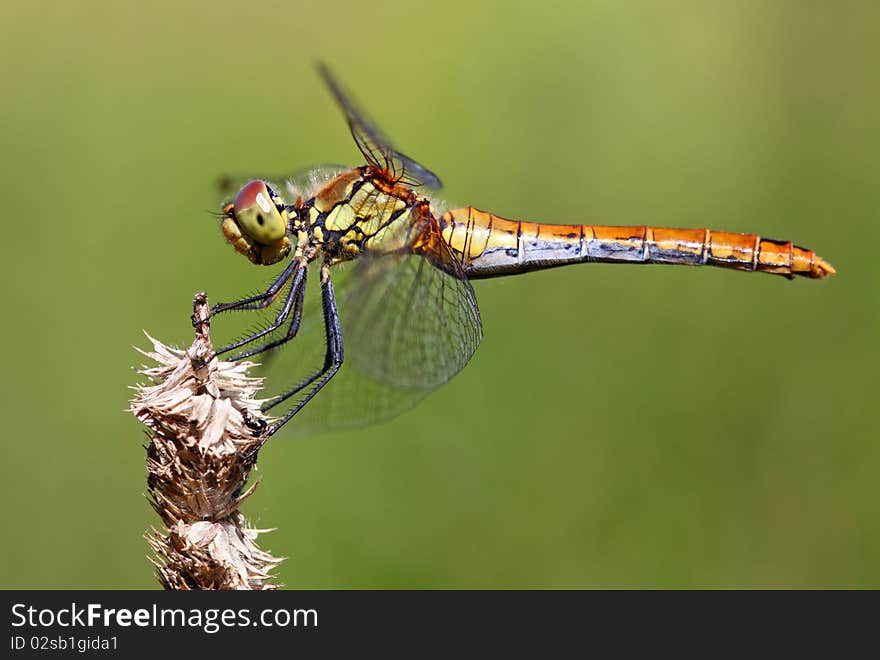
{"points": [[256, 224]]}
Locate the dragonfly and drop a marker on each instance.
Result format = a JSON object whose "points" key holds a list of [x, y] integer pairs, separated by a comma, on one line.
{"points": [[404, 264]]}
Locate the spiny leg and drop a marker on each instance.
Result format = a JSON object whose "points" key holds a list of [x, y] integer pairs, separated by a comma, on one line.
{"points": [[293, 294], [261, 300], [332, 358], [292, 329]]}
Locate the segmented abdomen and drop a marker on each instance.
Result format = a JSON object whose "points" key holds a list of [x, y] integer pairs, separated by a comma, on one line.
{"points": [[488, 245]]}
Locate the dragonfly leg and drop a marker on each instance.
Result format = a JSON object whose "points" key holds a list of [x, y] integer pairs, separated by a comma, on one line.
{"points": [[332, 358], [292, 296], [261, 300], [298, 295]]}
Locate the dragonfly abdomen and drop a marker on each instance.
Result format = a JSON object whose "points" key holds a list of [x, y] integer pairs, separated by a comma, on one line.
{"points": [[489, 245]]}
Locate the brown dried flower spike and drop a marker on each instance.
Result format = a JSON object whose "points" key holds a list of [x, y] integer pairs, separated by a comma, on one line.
{"points": [[200, 455]]}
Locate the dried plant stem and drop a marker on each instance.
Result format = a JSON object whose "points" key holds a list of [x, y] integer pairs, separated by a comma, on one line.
{"points": [[200, 455]]}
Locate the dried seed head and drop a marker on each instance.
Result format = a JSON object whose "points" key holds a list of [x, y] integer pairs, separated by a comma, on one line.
{"points": [[200, 455]]}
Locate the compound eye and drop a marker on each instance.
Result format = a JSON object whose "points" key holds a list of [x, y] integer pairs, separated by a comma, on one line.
{"points": [[257, 214]]}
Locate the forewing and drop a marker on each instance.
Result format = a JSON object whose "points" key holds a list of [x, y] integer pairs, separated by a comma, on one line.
{"points": [[373, 144]]}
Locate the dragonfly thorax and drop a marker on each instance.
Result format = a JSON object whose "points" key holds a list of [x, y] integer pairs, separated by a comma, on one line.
{"points": [[358, 212], [256, 224]]}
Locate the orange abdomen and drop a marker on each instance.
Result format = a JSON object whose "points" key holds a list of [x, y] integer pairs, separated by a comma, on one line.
{"points": [[488, 246]]}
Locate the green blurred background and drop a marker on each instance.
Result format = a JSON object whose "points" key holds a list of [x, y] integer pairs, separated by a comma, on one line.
{"points": [[619, 426]]}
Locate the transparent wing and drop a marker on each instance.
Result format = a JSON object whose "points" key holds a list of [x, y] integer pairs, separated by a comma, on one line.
{"points": [[408, 327], [410, 324], [375, 147], [305, 182]]}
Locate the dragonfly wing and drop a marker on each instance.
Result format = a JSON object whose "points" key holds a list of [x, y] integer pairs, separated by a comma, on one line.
{"points": [[408, 327], [373, 144], [305, 182], [410, 324]]}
